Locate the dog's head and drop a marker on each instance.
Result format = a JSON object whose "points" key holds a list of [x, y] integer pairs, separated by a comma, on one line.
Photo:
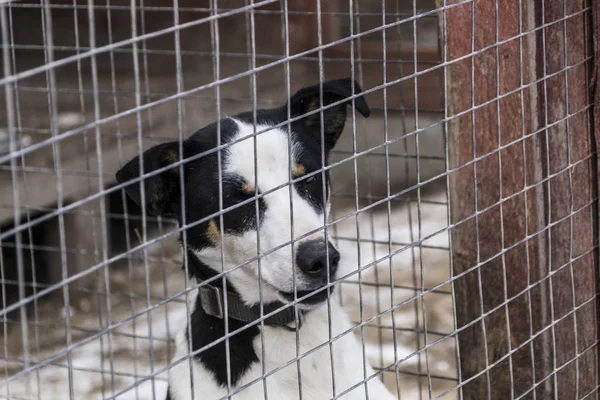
{"points": [[263, 214]]}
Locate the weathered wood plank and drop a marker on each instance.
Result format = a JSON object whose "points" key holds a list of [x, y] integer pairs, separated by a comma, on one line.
{"points": [[524, 212]]}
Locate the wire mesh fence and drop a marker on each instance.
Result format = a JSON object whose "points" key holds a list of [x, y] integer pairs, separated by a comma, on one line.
{"points": [[463, 208]]}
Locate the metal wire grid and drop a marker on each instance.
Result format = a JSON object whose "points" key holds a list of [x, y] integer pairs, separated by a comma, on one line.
{"points": [[364, 203]]}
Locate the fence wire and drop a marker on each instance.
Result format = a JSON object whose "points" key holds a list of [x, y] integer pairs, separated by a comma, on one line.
{"points": [[464, 207]]}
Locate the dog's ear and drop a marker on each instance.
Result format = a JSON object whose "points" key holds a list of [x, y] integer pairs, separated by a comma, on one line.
{"points": [[161, 190], [309, 99]]}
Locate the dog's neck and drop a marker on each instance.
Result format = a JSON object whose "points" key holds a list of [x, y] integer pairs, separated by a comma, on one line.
{"points": [[207, 330]]}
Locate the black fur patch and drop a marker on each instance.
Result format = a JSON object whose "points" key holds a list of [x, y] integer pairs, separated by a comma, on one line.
{"points": [[206, 329]]}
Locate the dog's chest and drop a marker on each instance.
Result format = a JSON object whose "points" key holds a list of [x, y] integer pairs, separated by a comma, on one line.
{"points": [[287, 374], [309, 363]]}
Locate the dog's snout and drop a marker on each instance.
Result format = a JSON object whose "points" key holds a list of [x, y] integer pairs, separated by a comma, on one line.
{"points": [[312, 258]]}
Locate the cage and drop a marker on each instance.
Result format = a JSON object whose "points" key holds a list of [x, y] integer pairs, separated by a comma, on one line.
{"points": [[464, 207]]}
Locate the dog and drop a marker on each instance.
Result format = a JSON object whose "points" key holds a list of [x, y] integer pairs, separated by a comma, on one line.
{"points": [[301, 344]]}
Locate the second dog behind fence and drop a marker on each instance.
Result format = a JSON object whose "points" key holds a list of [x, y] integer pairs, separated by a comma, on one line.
{"points": [[258, 238]]}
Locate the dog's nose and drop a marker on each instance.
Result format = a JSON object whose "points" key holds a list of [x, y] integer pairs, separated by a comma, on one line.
{"points": [[312, 255]]}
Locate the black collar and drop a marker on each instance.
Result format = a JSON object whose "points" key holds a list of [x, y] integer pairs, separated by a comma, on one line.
{"points": [[213, 304]]}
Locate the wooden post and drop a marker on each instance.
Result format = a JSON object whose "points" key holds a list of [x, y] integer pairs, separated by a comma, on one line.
{"points": [[523, 198]]}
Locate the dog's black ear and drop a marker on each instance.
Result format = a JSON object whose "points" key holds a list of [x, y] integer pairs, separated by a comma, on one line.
{"points": [[161, 190], [309, 99]]}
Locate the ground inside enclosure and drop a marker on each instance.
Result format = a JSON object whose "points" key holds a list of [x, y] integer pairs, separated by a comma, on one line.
{"points": [[103, 364]]}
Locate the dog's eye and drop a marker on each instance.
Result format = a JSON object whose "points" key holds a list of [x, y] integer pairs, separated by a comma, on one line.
{"points": [[311, 179]]}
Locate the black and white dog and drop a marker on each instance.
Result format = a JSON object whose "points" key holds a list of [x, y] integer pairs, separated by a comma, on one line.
{"points": [[283, 217]]}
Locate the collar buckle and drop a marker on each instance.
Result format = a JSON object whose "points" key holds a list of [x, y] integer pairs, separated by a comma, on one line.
{"points": [[211, 295]]}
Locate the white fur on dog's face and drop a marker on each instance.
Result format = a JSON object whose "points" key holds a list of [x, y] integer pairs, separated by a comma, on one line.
{"points": [[287, 216]]}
